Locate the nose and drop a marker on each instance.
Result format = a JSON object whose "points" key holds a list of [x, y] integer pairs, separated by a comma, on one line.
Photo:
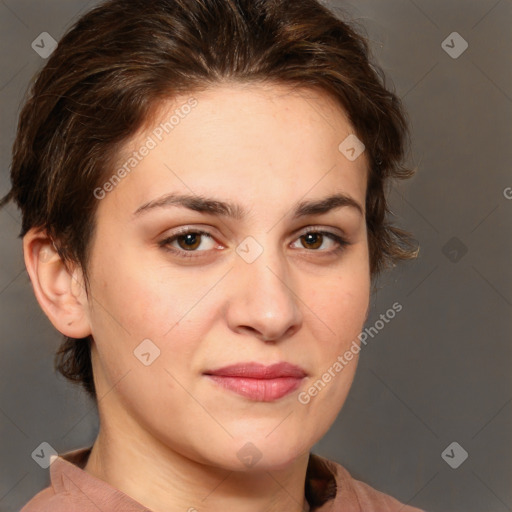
{"points": [[263, 302]]}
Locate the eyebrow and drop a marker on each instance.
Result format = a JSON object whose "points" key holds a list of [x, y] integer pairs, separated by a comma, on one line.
{"points": [[214, 206]]}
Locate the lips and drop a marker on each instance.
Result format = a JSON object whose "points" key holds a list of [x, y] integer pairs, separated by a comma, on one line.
{"points": [[258, 382], [260, 371]]}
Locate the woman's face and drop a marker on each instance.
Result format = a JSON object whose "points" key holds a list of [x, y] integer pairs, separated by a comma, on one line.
{"points": [[267, 282]]}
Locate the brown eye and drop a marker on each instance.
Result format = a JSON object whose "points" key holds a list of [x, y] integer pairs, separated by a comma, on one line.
{"points": [[190, 241], [187, 242], [314, 240]]}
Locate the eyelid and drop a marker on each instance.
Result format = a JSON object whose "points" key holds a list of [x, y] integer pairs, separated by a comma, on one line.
{"points": [[321, 229], [165, 243], [338, 238]]}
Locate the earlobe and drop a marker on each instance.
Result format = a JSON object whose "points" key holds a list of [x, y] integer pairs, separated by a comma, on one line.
{"points": [[60, 291]]}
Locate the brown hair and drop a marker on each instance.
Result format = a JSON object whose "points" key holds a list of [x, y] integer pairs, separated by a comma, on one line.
{"points": [[110, 70]]}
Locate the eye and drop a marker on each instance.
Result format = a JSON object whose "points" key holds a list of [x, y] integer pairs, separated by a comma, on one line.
{"points": [[315, 239], [188, 241]]}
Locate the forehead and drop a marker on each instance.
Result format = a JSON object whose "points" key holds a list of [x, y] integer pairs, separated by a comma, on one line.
{"points": [[245, 139]]}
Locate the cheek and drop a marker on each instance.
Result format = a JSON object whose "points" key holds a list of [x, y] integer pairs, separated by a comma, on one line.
{"points": [[342, 307], [344, 315], [133, 296], [342, 303], [133, 304]]}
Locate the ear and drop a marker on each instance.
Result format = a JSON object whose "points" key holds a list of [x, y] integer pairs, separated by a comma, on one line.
{"points": [[60, 291]]}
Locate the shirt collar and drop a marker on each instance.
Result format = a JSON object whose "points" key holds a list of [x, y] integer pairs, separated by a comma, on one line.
{"points": [[327, 486]]}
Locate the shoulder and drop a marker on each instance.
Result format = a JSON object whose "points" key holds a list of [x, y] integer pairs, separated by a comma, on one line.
{"points": [[48, 500], [351, 494], [372, 499], [44, 501]]}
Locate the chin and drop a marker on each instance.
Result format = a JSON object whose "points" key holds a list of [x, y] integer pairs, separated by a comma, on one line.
{"points": [[262, 453]]}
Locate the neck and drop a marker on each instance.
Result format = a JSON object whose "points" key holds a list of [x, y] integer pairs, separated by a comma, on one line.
{"points": [[164, 480]]}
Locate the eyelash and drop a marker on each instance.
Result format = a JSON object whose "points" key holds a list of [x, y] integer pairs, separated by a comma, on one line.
{"points": [[164, 244]]}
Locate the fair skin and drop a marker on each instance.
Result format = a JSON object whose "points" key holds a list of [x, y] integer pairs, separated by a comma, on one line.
{"points": [[170, 436]]}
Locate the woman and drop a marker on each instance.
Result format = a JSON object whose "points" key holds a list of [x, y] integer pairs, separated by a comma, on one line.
{"points": [[202, 185]]}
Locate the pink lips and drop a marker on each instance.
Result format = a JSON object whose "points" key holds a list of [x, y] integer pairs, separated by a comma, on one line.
{"points": [[257, 381]]}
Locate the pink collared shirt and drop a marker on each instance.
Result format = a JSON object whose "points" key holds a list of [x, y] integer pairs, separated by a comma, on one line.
{"points": [[329, 488]]}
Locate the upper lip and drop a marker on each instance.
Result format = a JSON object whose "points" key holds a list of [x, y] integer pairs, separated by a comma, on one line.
{"points": [[259, 371]]}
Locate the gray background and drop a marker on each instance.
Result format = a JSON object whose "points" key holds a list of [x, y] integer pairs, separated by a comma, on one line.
{"points": [[440, 371]]}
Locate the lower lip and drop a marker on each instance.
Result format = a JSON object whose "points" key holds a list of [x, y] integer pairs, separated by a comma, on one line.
{"points": [[260, 390]]}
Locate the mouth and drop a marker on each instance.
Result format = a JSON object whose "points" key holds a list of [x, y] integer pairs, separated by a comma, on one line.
{"points": [[258, 382]]}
